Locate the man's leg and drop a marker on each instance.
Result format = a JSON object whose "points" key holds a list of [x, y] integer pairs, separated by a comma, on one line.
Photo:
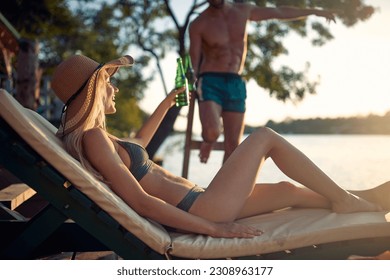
{"points": [[210, 114], [233, 123]]}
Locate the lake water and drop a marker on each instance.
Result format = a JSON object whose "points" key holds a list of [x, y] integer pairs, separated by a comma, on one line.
{"points": [[353, 161]]}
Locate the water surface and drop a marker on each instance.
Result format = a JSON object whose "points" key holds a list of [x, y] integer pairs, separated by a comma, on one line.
{"points": [[352, 161]]}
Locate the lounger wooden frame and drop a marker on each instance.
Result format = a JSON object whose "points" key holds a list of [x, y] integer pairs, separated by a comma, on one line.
{"points": [[72, 221], [50, 231]]}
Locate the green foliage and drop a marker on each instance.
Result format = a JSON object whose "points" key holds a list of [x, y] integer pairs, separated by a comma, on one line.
{"points": [[37, 19], [146, 24], [265, 44], [87, 27], [129, 116], [107, 29]]}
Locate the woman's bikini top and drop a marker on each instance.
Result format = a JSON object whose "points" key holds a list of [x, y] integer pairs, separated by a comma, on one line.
{"points": [[140, 162]]}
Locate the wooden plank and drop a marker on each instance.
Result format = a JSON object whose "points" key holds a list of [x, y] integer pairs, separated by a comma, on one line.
{"points": [[15, 194], [7, 214], [195, 145]]}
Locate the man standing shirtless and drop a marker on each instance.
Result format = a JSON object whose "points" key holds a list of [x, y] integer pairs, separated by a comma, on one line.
{"points": [[218, 46]]}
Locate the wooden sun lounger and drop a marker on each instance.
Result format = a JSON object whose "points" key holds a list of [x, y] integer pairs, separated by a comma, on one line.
{"points": [[83, 214]]}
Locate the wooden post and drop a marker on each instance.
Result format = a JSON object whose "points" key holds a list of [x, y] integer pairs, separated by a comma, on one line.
{"points": [[9, 45], [28, 74], [7, 57], [188, 137]]}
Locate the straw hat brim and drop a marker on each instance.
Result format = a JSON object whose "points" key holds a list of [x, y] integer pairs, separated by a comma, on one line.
{"points": [[66, 81]]}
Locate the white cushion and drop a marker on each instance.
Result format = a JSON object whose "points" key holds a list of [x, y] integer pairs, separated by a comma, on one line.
{"points": [[283, 230], [40, 135]]}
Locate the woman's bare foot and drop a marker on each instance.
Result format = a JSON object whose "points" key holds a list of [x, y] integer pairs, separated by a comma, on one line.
{"points": [[204, 152], [353, 203], [379, 195]]}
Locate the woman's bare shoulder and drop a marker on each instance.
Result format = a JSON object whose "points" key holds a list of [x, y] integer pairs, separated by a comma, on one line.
{"points": [[96, 139], [94, 133]]}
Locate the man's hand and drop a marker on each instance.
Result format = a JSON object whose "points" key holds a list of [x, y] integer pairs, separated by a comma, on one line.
{"points": [[326, 14]]}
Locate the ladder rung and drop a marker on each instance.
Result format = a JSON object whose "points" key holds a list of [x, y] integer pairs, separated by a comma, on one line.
{"points": [[195, 145]]}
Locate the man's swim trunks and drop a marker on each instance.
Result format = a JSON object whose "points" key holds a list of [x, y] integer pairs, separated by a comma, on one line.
{"points": [[226, 89]]}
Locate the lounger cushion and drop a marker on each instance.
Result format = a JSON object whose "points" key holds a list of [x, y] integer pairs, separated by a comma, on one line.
{"points": [[283, 230], [286, 230], [40, 135]]}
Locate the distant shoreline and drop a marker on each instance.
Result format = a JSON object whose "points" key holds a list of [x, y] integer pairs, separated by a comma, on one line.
{"points": [[368, 125], [371, 125]]}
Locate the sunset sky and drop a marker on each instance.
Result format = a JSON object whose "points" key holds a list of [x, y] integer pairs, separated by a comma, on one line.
{"points": [[354, 71]]}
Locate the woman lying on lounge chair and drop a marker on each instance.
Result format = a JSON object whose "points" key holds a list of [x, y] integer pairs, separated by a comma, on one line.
{"points": [[84, 86]]}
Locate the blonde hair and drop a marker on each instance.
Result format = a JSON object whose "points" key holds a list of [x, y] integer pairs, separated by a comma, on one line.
{"points": [[73, 141]]}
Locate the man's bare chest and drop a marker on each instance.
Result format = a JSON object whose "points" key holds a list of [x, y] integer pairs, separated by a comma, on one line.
{"points": [[224, 32]]}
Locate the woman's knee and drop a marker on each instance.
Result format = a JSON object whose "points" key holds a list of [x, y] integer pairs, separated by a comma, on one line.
{"points": [[266, 136], [264, 132], [286, 187]]}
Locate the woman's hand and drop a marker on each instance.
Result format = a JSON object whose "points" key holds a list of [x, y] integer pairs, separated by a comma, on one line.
{"points": [[172, 95], [231, 230], [147, 131]]}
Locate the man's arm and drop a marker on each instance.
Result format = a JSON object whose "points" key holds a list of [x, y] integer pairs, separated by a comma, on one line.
{"points": [[261, 13], [195, 47]]}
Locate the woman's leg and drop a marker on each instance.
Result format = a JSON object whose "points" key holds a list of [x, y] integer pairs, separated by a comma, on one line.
{"points": [[269, 197], [379, 195], [233, 185]]}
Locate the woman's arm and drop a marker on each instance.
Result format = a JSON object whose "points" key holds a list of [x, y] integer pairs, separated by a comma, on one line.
{"points": [[101, 153], [149, 128]]}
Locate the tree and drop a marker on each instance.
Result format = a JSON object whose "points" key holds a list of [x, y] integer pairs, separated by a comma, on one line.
{"points": [[265, 42], [24, 21], [157, 30], [67, 27], [142, 21], [44, 21], [153, 28]]}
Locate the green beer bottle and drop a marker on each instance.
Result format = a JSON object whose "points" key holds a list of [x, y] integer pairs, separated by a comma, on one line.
{"points": [[190, 75], [180, 81]]}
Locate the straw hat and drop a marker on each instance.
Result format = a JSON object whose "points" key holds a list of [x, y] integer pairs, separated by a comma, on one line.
{"points": [[74, 82]]}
